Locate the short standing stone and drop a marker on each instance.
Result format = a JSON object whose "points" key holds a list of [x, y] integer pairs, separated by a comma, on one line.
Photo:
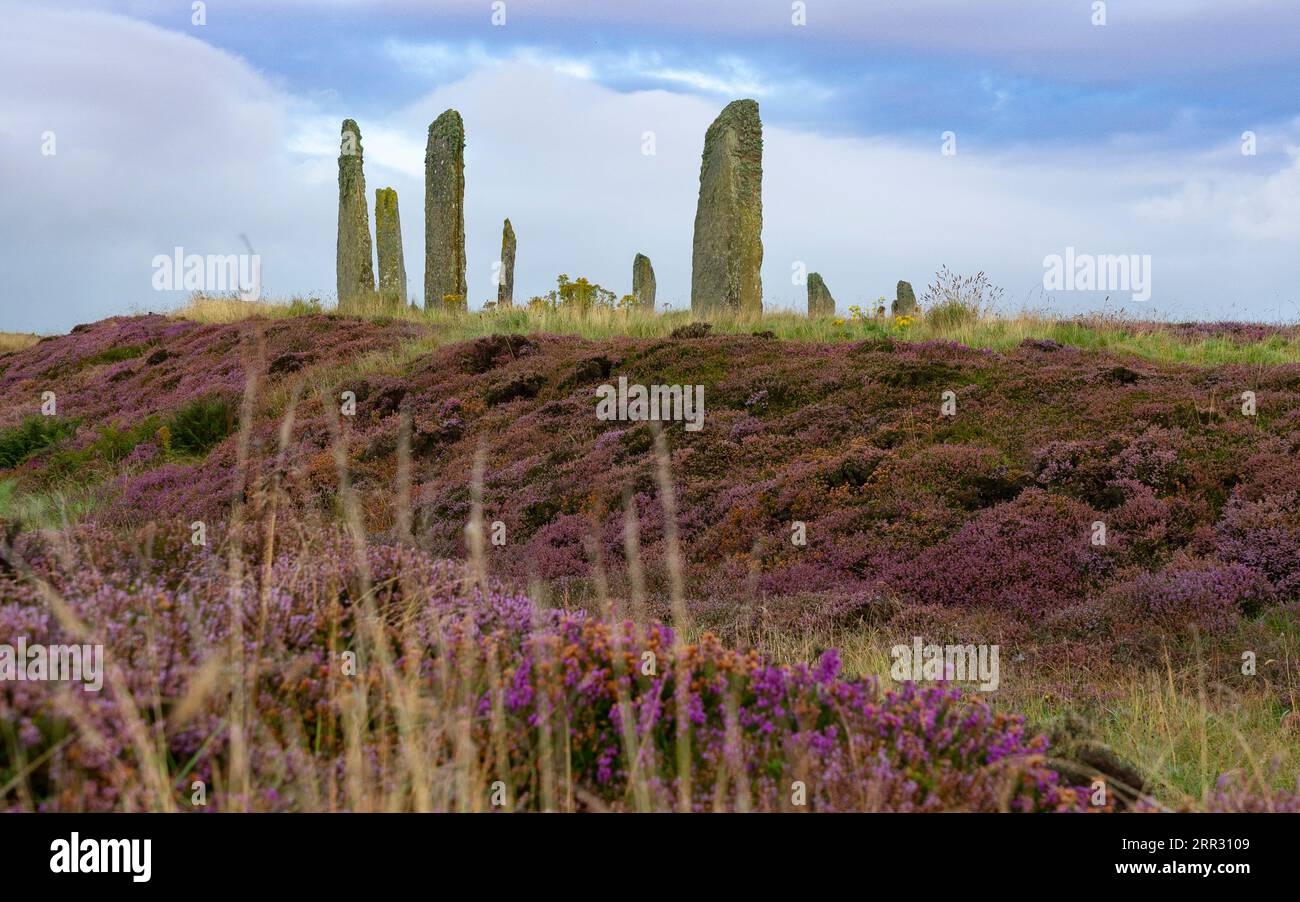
{"points": [[820, 302], [353, 267], [444, 213], [905, 301], [506, 287], [728, 247], [388, 245], [643, 283]]}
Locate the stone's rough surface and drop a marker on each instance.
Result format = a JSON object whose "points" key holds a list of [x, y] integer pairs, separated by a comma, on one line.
{"points": [[905, 301], [444, 213], [728, 247], [388, 245], [506, 287], [643, 283], [820, 302], [353, 266]]}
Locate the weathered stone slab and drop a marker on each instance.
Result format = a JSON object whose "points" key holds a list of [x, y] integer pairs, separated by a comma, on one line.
{"points": [[728, 247]]}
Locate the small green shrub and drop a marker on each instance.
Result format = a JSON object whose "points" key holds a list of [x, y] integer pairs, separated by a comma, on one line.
{"points": [[115, 354], [32, 435], [200, 425]]}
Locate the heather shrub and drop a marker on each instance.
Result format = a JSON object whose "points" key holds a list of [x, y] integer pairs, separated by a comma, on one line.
{"points": [[1264, 535], [1140, 527], [1150, 458], [1031, 554], [526, 678], [1077, 467], [1236, 792], [1204, 594], [969, 477]]}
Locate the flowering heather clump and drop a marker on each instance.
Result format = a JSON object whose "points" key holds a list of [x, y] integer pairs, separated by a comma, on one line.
{"points": [[1233, 793], [1205, 594], [1243, 333], [518, 674], [1029, 554], [1265, 535]]}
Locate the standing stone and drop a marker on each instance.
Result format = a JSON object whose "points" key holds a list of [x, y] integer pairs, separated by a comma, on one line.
{"points": [[444, 214], [388, 245], [353, 267], [506, 287], [905, 301], [728, 248], [820, 302], [643, 283]]}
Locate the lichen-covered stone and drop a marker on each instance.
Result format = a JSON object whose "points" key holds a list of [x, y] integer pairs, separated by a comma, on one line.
{"points": [[506, 285], [353, 267], [728, 247], [388, 246], [643, 283], [820, 302], [904, 301], [444, 213]]}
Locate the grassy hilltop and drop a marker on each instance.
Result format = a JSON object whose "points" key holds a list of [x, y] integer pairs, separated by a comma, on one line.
{"points": [[328, 529]]}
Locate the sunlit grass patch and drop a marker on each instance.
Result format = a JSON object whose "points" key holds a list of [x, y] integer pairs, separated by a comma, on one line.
{"points": [[1146, 340], [16, 341]]}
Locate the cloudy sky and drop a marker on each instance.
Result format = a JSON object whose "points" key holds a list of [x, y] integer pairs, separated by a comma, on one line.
{"points": [[1122, 138]]}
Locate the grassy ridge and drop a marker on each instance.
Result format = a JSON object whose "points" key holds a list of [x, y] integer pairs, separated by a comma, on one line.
{"points": [[1193, 344]]}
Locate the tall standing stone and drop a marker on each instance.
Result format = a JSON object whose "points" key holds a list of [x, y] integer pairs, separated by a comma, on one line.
{"points": [[820, 302], [353, 267], [904, 300], [444, 213], [388, 246], [643, 283], [506, 285], [728, 247]]}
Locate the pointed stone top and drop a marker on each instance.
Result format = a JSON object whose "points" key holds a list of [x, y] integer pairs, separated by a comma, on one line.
{"points": [[741, 117], [509, 229], [739, 112], [350, 135], [639, 258], [742, 107], [448, 124], [385, 198]]}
